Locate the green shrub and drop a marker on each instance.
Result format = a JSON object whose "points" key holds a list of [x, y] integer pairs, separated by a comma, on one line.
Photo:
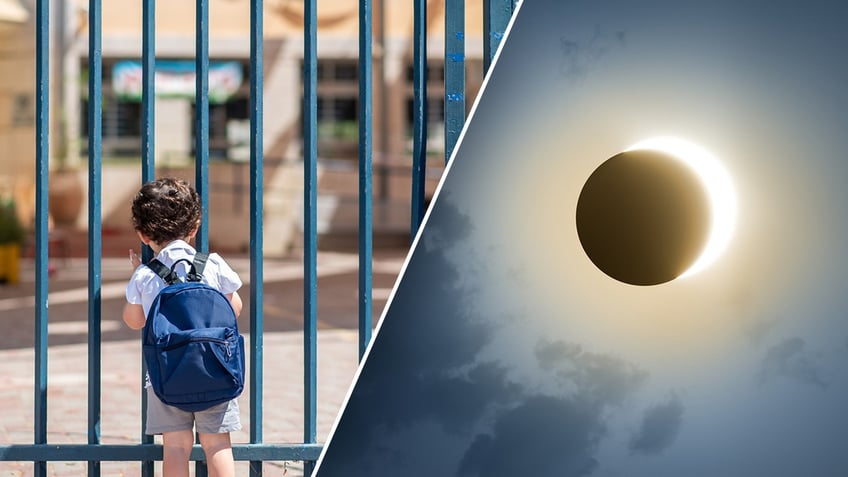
{"points": [[11, 229]]}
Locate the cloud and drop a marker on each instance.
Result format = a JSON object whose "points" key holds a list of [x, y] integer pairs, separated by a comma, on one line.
{"points": [[660, 425], [550, 354], [446, 228], [790, 360], [604, 378], [544, 435], [554, 434], [458, 402], [578, 56]]}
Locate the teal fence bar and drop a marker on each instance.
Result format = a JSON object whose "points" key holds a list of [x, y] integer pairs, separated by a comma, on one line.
{"points": [[310, 222], [419, 114], [256, 238], [201, 138], [148, 165], [366, 63], [42, 158], [496, 15], [454, 73], [95, 135], [201, 125]]}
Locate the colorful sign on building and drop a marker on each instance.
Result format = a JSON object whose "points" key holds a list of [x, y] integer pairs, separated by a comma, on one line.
{"points": [[177, 79]]}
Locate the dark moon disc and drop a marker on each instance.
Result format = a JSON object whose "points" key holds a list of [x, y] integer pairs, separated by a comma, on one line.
{"points": [[643, 217]]}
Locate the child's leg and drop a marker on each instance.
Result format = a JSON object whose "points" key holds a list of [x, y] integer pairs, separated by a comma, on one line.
{"points": [[176, 426], [176, 450], [219, 454], [213, 427]]}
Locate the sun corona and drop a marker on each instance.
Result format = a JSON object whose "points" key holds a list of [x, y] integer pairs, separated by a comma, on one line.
{"points": [[716, 180]]}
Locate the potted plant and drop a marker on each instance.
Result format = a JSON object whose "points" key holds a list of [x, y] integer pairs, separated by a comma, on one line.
{"points": [[66, 192], [12, 236], [65, 195]]}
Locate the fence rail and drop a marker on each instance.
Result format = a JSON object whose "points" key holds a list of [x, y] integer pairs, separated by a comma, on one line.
{"points": [[496, 16]]}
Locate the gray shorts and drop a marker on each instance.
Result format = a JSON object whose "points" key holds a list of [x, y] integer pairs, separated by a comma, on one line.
{"points": [[217, 419]]}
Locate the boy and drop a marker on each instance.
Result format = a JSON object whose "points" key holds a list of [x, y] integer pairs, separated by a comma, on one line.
{"points": [[166, 216]]}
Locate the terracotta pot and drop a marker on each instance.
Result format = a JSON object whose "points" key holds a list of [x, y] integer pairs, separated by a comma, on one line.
{"points": [[65, 195]]}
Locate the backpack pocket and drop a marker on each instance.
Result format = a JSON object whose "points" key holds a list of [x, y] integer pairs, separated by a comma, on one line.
{"points": [[196, 367]]}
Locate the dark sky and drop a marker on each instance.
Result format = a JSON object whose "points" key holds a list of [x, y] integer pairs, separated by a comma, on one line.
{"points": [[505, 352]]}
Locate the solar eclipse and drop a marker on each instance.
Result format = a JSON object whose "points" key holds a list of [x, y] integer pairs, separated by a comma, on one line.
{"points": [[662, 209]]}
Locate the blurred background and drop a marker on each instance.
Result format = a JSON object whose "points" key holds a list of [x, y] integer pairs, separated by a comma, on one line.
{"points": [[228, 116]]}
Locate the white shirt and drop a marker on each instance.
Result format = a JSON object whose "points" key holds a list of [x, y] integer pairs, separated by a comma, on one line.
{"points": [[144, 284]]}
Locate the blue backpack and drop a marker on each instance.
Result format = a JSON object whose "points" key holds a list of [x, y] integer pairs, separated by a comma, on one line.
{"points": [[191, 343]]}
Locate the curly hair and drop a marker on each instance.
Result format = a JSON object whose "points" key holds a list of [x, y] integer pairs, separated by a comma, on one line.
{"points": [[166, 209]]}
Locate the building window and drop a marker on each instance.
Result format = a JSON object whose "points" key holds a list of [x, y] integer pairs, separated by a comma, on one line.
{"points": [[221, 117], [120, 125], [338, 108], [435, 73]]}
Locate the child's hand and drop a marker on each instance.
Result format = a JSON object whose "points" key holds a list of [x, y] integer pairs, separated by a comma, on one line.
{"points": [[135, 260]]}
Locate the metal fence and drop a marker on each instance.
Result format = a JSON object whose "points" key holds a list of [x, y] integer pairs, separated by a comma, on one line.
{"points": [[496, 17]]}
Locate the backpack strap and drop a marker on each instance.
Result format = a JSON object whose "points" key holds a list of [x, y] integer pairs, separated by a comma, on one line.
{"points": [[165, 273], [169, 275], [197, 267]]}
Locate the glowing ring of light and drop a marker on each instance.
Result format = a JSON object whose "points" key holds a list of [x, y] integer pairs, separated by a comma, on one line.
{"points": [[719, 187]]}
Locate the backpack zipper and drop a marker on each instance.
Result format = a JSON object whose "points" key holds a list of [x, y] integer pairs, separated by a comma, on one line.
{"points": [[194, 339]]}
